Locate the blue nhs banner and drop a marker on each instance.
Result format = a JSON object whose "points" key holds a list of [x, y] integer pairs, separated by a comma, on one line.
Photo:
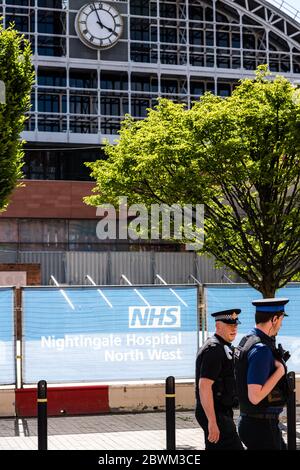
{"points": [[109, 333], [7, 354]]}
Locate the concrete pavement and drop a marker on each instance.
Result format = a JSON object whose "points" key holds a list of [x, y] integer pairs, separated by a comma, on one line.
{"points": [[134, 431], [141, 431]]}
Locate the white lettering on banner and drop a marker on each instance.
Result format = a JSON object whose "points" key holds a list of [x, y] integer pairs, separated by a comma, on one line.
{"points": [[80, 341], [109, 341], [153, 340], [132, 355], [154, 316], [160, 355], [136, 355]]}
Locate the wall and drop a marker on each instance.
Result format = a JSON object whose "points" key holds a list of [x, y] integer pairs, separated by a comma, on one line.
{"points": [[106, 267], [51, 199], [33, 272], [127, 397], [7, 402]]}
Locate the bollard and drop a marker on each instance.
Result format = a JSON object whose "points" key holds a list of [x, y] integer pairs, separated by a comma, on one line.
{"points": [[170, 413], [42, 415], [291, 411]]}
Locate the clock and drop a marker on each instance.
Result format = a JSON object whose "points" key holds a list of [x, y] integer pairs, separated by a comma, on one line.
{"points": [[99, 25]]}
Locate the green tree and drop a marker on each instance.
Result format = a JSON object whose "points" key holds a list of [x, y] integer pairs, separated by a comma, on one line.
{"points": [[239, 156], [16, 71]]}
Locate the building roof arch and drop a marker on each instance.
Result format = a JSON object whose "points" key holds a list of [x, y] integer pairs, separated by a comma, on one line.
{"points": [[268, 16]]}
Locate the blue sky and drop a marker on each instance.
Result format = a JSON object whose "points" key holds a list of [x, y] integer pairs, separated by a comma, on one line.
{"points": [[294, 3], [291, 7]]}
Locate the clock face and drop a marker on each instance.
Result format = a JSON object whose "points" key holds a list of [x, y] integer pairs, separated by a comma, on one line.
{"points": [[99, 25]]}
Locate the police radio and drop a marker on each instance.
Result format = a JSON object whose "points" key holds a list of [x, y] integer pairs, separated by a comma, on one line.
{"points": [[282, 353]]}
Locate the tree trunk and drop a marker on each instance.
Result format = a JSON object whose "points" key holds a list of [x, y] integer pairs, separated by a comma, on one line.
{"points": [[267, 289]]}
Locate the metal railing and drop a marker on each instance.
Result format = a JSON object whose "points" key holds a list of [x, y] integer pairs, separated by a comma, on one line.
{"points": [[286, 8]]}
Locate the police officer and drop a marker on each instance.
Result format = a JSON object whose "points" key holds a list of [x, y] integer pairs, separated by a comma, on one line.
{"points": [[260, 374], [215, 384]]}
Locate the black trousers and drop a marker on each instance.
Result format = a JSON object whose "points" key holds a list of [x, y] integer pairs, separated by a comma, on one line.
{"points": [[261, 433], [229, 439]]}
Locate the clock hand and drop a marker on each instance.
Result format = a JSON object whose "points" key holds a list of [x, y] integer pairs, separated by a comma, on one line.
{"points": [[101, 24], [98, 16], [108, 29], [111, 30]]}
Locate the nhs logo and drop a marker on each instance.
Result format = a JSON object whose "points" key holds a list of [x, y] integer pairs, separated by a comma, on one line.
{"points": [[154, 316]]}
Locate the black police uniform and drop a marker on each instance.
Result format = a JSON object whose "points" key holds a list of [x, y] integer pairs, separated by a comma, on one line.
{"points": [[215, 362], [259, 424]]}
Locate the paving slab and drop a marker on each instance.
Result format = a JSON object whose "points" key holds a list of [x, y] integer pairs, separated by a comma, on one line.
{"points": [[131, 431]]}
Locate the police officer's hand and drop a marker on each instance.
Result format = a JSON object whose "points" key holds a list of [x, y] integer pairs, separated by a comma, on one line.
{"points": [[213, 432], [280, 367]]}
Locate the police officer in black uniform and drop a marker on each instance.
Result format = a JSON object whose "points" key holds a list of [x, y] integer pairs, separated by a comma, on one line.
{"points": [[215, 384], [261, 378]]}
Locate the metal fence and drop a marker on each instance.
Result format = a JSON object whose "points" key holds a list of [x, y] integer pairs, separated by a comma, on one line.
{"points": [[46, 308], [106, 268]]}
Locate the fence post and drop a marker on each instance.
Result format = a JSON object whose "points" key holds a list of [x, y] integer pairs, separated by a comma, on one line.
{"points": [[42, 415], [170, 413], [291, 411]]}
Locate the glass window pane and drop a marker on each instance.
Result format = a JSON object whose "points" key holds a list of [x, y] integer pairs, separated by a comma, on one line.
{"points": [[51, 46], [196, 37], [222, 39], [84, 125], [114, 80], [146, 83], [51, 77], [197, 88], [224, 89], [114, 105], [52, 102], [52, 123], [236, 40], [142, 7], [143, 29], [209, 36], [196, 12], [53, 3], [83, 104], [25, 3], [51, 22], [22, 18], [83, 79], [139, 106]]}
